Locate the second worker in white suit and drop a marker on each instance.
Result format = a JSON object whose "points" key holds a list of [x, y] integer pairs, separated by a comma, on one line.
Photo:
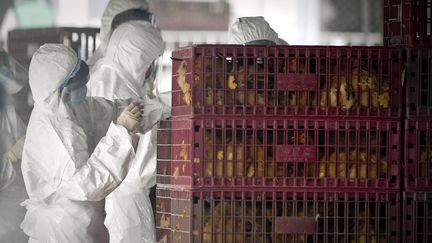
{"points": [[77, 149], [127, 72]]}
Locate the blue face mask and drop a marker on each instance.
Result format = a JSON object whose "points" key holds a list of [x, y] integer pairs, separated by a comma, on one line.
{"points": [[75, 84], [77, 96]]}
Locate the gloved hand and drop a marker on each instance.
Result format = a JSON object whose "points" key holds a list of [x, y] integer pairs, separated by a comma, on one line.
{"points": [[131, 116], [15, 153]]}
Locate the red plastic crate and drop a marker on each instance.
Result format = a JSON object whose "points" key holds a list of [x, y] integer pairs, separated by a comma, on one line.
{"points": [[417, 217], [277, 216], [284, 152], [407, 22], [419, 83], [210, 80], [418, 155]]}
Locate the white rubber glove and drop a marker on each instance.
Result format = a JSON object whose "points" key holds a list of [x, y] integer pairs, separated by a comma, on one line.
{"points": [[15, 153], [131, 116]]}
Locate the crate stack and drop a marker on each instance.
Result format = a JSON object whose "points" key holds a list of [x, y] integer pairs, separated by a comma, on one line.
{"points": [[23, 43], [281, 144], [417, 187], [408, 26]]}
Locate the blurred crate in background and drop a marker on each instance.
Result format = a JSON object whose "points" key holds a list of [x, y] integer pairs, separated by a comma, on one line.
{"points": [[316, 154], [287, 80], [407, 23], [22, 43], [419, 83], [418, 155], [417, 217], [277, 216]]}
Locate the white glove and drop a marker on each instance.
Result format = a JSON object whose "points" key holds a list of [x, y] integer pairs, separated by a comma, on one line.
{"points": [[131, 116], [15, 153]]}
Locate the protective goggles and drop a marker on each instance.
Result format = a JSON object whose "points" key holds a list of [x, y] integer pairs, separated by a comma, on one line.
{"points": [[133, 14], [78, 77]]}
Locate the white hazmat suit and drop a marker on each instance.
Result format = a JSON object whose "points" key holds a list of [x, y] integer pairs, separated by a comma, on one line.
{"points": [[73, 155], [121, 75], [12, 190], [249, 29], [113, 8]]}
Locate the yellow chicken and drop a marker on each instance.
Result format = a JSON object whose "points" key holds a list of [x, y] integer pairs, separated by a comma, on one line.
{"points": [[260, 161], [197, 79], [219, 164], [302, 139], [256, 167], [368, 84], [237, 82], [332, 166], [184, 86], [260, 99], [302, 95], [184, 153], [239, 161], [303, 99], [164, 222], [219, 97], [293, 67], [222, 160], [232, 84], [363, 165], [383, 168], [384, 97], [208, 154], [221, 227], [346, 98]]}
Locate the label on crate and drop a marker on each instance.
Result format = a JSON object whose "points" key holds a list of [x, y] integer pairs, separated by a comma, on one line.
{"points": [[297, 82], [295, 225], [290, 153]]}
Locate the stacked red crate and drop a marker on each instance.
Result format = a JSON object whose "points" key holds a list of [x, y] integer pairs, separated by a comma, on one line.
{"points": [[417, 206], [280, 152], [311, 81], [407, 23], [288, 124], [275, 215], [417, 217]]}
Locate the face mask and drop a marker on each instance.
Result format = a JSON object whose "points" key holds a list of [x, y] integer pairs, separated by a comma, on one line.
{"points": [[77, 96]]}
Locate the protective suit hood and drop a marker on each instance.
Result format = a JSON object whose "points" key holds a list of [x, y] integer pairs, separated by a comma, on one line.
{"points": [[133, 47], [247, 29], [49, 67], [113, 8]]}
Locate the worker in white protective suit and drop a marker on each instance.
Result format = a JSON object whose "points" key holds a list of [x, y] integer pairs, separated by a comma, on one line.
{"points": [[128, 71], [118, 11], [77, 149], [252, 31], [12, 130]]}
